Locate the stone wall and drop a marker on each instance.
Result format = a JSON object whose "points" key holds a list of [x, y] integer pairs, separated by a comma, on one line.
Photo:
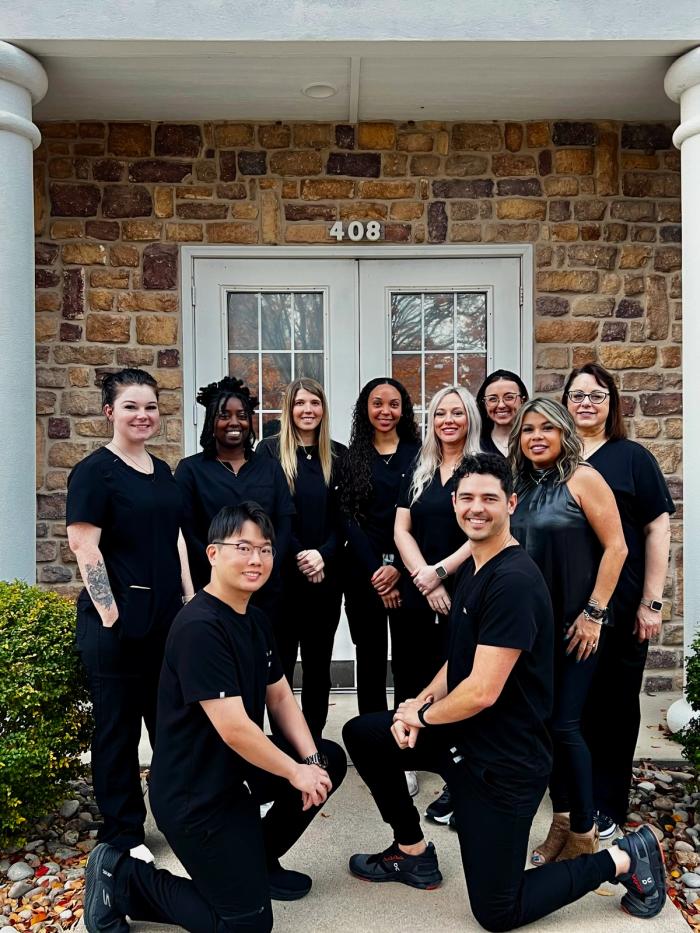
{"points": [[114, 201]]}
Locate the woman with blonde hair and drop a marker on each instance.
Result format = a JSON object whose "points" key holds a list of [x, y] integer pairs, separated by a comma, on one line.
{"points": [[311, 581], [567, 520], [431, 544]]}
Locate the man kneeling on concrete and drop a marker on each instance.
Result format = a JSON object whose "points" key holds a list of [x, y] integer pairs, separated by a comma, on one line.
{"points": [[213, 765], [481, 725]]}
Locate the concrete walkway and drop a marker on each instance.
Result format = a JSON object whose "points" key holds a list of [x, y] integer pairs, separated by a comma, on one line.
{"points": [[339, 903]]}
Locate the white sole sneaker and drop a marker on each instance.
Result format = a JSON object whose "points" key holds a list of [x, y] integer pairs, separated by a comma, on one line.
{"points": [[142, 853]]}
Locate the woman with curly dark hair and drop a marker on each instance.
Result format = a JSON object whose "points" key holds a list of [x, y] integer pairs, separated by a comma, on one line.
{"points": [[384, 441], [227, 472]]}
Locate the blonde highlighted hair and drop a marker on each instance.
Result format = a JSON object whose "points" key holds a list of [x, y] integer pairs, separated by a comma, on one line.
{"points": [[430, 456], [289, 436], [571, 455]]}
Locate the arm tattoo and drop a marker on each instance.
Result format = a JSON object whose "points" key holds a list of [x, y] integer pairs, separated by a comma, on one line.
{"points": [[98, 585]]}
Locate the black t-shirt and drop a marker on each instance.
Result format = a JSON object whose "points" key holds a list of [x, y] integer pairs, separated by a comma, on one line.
{"points": [[642, 495], [212, 652], [507, 605], [434, 527], [140, 517], [373, 536], [207, 486]]}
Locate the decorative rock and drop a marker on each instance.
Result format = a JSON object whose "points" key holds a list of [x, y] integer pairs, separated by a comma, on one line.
{"points": [[690, 880], [52, 868], [358, 164], [680, 816], [635, 817], [63, 853], [34, 845], [19, 871], [20, 888], [645, 785], [70, 837], [683, 776], [681, 846], [663, 776], [159, 268], [4, 865], [691, 897]]}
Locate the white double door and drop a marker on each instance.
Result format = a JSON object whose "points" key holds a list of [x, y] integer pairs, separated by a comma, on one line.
{"points": [[429, 322]]}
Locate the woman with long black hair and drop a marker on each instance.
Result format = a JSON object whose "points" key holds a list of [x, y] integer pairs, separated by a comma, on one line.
{"points": [[499, 398], [384, 442], [310, 575]]}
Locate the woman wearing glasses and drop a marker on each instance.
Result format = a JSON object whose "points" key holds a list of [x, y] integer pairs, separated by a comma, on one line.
{"points": [[645, 505], [567, 521], [310, 576], [499, 398]]}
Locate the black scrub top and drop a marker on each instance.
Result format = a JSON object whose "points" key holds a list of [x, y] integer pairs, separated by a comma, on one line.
{"points": [[372, 537], [212, 652], [489, 447], [553, 529], [434, 527], [642, 495], [505, 604], [207, 486], [140, 517]]}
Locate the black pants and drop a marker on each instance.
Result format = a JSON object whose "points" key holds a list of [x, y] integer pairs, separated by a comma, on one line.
{"points": [[123, 679], [571, 783], [227, 858], [494, 815], [367, 620], [308, 620], [418, 649], [614, 698]]}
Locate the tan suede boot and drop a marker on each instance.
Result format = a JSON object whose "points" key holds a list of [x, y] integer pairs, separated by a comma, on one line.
{"points": [[579, 844], [558, 834]]}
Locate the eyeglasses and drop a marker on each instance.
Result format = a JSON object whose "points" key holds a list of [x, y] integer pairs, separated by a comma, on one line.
{"points": [[508, 398], [596, 397], [266, 552]]}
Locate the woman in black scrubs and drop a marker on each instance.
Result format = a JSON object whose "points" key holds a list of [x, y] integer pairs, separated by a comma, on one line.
{"points": [[383, 444], [228, 472], [567, 521], [123, 514], [499, 398], [645, 505], [310, 575]]}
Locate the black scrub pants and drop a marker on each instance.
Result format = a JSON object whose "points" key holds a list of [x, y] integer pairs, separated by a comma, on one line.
{"points": [[123, 678], [367, 620], [227, 857], [494, 814], [308, 619], [418, 649]]}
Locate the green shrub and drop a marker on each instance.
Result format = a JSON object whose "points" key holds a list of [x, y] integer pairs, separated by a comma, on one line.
{"points": [[690, 736], [44, 708]]}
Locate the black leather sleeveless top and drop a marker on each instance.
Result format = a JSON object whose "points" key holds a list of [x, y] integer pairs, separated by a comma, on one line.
{"points": [[551, 526]]}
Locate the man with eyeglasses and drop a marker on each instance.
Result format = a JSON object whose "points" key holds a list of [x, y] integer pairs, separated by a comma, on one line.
{"points": [[213, 765]]}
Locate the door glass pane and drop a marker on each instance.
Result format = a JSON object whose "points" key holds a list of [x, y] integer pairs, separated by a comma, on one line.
{"points": [[276, 320], [242, 321], [438, 321], [406, 367], [439, 372], [244, 366], [308, 321], [470, 321], [471, 370], [309, 365], [276, 371], [405, 322]]}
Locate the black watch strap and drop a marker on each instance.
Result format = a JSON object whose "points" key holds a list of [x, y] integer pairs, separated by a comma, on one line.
{"points": [[421, 713], [318, 758]]}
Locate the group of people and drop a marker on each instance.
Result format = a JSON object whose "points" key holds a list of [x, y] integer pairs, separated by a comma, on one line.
{"points": [[516, 558]]}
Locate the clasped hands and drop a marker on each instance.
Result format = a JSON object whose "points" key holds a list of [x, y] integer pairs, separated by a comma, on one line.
{"points": [[428, 584], [407, 725], [311, 564], [385, 582]]}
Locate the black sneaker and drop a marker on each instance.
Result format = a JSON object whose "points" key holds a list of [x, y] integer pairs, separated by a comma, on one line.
{"points": [[418, 871], [101, 915], [646, 879], [607, 827], [453, 822], [288, 885], [440, 810]]}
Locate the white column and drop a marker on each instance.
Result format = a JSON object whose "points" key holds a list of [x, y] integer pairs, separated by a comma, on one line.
{"points": [[683, 84], [22, 83]]}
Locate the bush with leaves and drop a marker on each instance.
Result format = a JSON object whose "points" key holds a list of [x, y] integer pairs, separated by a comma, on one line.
{"points": [[44, 705], [689, 737]]}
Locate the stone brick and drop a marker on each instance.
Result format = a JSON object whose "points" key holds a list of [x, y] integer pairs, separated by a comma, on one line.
{"points": [[134, 356], [628, 357], [556, 357], [366, 210], [102, 229], [129, 139], [244, 210], [548, 382], [594, 306], [50, 378], [520, 187], [46, 551], [147, 301], [126, 201], [589, 209], [79, 376], [227, 166], [506, 165], [312, 135], [141, 230], [199, 210], [159, 170], [613, 331], [559, 210], [406, 210], [657, 311], [477, 188], [108, 170], [602, 257], [513, 136], [582, 355], [232, 233], [634, 257], [425, 165], [437, 222], [375, 136], [307, 233], [45, 328], [521, 209], [671, 234], [642, 161], [156, 329], [551, 306], [345, 136], [564, 232], [661, 403], [310, 212], [91, 130], [668, 212], [615, 232], [178, 139], [47, 301], [73, 301], [607, 180], [45, 254], [252, 162], [66, 454], [84, 254], [160, 266], [60, 168], [58, 130], [57, 479], [184, 232], [667, 259], [464, 210], [646, 136], [233, 135], [537, 135], [70, 332], [463, 165], [573, 161], [108, 328], [45, 278], [45, 403], [194, 192], [511, 233], [99, 300], [633, 210], [270, 225], [544, 162], [387, 189], [671, 357], [168, 358], [359, 164], [574, 134], [566, 331], [561, 187], [74, 200], [647, 427], [81, 402], [397, 233], [651, 185], [275, 136], [415, 142], [326, 190], [567, 281], [121, 255], [629, 308], [484, 137], [465, 233]]}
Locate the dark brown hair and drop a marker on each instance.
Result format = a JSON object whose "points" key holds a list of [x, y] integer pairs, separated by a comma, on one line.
{"points": [[113, 383], [615, 428]]}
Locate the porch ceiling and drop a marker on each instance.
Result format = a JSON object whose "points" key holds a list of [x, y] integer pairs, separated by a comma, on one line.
{"points": [[407, 80]]}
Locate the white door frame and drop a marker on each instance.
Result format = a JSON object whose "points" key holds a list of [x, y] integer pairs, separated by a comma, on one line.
{"points": [[524, 252]]}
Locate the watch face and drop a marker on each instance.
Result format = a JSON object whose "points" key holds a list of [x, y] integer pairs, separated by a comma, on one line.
{"points": [[656, 605], [441, 572]]}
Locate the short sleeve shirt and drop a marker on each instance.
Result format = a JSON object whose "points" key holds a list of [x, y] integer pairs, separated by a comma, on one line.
{"points": [[505, 604], [212, 652]]}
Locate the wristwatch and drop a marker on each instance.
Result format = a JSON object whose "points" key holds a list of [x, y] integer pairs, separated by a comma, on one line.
{"points": [[441, 572], [654, 604], [421, 712], [318, 758]]}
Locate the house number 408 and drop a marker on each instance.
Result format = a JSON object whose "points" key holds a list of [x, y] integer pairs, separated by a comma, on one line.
{"points": [[356, 230]]}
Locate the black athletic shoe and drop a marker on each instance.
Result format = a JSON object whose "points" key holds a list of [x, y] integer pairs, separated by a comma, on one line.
{"points": [[440, 810], [288, 885], [453, 822], [607, 827], [418, 871], [101, 915], [646, 879]]}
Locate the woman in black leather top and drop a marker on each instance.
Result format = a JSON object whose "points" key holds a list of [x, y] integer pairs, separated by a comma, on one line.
{"points": [[567, 521]]}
